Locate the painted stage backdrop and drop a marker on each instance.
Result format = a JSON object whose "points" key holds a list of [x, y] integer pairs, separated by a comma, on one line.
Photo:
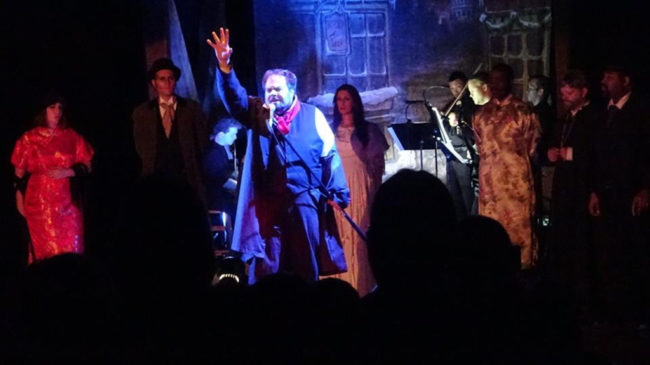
{"points": [[396, 52], [399, 52]]}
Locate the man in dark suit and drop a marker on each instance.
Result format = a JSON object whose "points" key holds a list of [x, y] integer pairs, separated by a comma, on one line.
{"points": [[220, 167], [459, 129], [570, 151], [618, 195], [170, 132], [537, 94]]}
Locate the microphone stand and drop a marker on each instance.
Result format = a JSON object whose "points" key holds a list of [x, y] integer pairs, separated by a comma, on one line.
{"points": [[275, 132], [411, 130]]}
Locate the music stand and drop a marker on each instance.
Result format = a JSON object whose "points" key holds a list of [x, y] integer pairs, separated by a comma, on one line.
{"points": [[416, 136]]}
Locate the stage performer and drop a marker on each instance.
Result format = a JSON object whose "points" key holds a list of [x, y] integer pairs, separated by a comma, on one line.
{"points": [[220, 167], [283, 223], [46, 158], [506, 131], [459, 129], [170, 132], [619, 196], [361, 145], [571, 151]]}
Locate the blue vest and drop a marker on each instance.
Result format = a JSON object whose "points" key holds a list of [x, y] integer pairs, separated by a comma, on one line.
{"points": [[285, 169]]}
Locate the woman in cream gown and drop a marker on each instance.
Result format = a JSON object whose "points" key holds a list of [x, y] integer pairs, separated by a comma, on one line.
{"points": [[361, 146]]}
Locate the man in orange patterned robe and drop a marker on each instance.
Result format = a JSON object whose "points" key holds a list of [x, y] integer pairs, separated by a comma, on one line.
{"points": [[506, 131]]}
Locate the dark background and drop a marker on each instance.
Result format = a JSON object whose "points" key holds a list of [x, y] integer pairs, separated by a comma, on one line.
{"points": [[93, 51], [608, 33]]}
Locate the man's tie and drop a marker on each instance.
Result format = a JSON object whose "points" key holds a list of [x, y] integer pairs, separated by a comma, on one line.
{"points": [[167, 118], [611, 114]]}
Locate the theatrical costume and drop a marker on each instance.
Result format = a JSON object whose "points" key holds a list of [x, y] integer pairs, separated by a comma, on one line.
{"points": [[218, 167], [177, 157], [55, 222], [282, 222], [570, 196], [506, 135], [459, 175], [364, 167], [620, 242], [546, 117]]}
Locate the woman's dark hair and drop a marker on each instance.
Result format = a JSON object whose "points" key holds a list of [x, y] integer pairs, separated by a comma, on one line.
{"points": [[40, 120], [360, 124]]}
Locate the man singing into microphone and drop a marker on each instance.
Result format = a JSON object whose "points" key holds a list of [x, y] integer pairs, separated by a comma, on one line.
{"points": [[283, 222]]}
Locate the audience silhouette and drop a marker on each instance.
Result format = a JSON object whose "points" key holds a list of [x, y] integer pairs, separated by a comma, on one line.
{"points": [[447, 292]]}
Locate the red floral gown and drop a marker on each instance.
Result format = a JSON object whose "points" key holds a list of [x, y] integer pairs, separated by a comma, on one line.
{"points": [[55, 223]]}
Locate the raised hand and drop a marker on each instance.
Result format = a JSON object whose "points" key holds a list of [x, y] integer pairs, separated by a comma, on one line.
{"points": [[221, 45]]}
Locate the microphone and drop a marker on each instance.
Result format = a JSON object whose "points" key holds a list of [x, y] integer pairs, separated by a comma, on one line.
{"points": [[271, 108]]}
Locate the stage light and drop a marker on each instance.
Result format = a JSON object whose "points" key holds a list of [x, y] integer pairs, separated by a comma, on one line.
{"points": [[230, 270]]}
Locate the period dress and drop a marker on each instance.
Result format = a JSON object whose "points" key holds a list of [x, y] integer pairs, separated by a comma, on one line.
{"points": [[363, 168], [55, 223], [506, 135]]}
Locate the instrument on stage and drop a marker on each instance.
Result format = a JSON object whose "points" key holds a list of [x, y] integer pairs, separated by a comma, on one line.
{"points": [[443, 136]]}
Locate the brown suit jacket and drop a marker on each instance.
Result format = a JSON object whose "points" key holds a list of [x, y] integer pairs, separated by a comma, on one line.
{"points": [[192, 131]]}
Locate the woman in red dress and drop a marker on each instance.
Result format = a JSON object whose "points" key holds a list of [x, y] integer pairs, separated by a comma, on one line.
{"points": [[51, 153]]}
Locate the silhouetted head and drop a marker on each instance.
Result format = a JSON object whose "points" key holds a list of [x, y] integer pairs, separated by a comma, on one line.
{"points": [[412, 224], [485, 248], [165, 240], [65, 309]]}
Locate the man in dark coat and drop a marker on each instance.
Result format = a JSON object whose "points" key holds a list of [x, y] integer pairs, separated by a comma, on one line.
{"points": [[459, 129], [570, 150], [619, 194], [283, 222], [220, 167], [170, 132], [537, 94]]}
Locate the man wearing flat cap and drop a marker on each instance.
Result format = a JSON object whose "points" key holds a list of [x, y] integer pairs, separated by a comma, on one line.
{"points": [[170, 132]]}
